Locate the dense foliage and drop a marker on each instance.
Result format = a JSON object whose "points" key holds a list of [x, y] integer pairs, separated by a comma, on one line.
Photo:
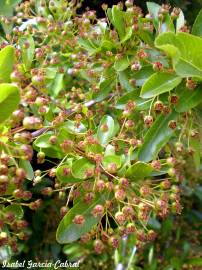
{"points": [[100, 135]]}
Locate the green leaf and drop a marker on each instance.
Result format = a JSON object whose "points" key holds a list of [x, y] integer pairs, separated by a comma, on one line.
{"points": [[139, 170], [154, 224], [146, 37], [129, 32], [180, 21], [105, 137], [185, 51], [94, 148], [141, 104], [159, 83], [73, 128], [194, 261], [6, 10], [156, 137], [5, 253], [122, 63], [27, 53], [42, 142], [112, 159], [195, 144], [25, 164], [7, 56], [80, 166], [153, 9], [124, 81], [88, 45], [197, 26], [67, 231], [65, 179], [9, 100], [74, 251], [142, 75], [118, 21], [105, 89], [16, 210], [167, 25], [188, 99], [57, 85]]}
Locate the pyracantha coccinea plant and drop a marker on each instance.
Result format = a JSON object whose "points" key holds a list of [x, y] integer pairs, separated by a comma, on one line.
{"points": [[107, 107]]}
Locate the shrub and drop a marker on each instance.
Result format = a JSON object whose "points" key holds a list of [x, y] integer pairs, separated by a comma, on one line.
{"points": [[99, 119]]}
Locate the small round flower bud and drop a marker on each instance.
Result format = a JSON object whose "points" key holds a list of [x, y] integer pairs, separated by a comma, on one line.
{"points": [[156, 164], [148, 120], [120, 194], [112, 168], [158, 106], [98, 210], [128, 211], [79, 219], [114, 241], [98, 246], [47, 191], [99, 185], [63, 211], [123, 182], [172, 124], [157, 66]]}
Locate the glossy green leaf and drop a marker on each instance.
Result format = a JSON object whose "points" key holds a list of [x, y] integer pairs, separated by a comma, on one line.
{"points": [[67, 231], [188, 99], [42, 142], [124, 81], [57, 85], [159, 83], [15, 209], [153, 9], [139, 170], [129, 32], [167, 25], [156, 137], [197, 26], [118, 21], [73, 128], [93, 148], [27, 53], [5, 253], [195, 144], [105, 89], [80, 166], [142, 75], [7, 56], [65, 179], [185, 51], [154, 224], [25, 164], [105, 137], [109, 150], [146, 37], [6, 10], [112, 159], [87, 45], [74, 251], [180, 21], [141, 104], [122, 63], [9, 100]]}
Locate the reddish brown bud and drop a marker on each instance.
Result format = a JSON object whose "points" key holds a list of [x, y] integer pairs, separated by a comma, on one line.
{"points": [[79, 219]]}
